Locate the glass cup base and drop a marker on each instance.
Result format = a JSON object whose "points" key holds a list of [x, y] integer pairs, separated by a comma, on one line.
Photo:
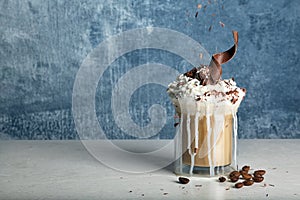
{"points": [[185, 170]]}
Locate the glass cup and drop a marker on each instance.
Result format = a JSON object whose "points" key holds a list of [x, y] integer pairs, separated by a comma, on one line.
{"points": [[206, 139]]}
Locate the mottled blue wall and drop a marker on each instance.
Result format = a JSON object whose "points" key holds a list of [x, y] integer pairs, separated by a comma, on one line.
{"points": [[43, 43]]}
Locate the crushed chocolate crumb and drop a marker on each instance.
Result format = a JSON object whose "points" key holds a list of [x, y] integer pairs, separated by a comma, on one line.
{"points": [[265, 185], [222, 24], [192, 73], [201, 56], [196, 15], [217, 93], [234, 100], [235, 92]]}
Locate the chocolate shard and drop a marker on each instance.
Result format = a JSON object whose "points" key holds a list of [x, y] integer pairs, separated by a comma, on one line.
{"points": [[215, 68], [192, 73]]}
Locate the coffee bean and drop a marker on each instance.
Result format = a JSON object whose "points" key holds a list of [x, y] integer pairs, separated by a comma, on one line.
{"points": [[258, 179], [239, 185], [248, 182], [243, 172], [234, 179], [259, 173], [234, 174], [246, 168], [246, 176], [184, 180], [222, 179]]}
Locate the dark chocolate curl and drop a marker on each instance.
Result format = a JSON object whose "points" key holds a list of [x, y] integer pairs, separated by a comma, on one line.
{"points": [[215, 68]]}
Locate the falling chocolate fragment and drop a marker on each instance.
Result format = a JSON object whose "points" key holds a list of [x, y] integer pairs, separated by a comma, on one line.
{"points": [[222, 24], [209, 29]]}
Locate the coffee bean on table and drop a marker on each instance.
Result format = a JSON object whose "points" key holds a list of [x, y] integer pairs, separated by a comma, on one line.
{"points": [[259, 173], [184, 180], [246, 168], [239, 185], [248, 182], [234, 179], [234, 174], [243, 172], [222, 179], [246, 176], [258, 179]]}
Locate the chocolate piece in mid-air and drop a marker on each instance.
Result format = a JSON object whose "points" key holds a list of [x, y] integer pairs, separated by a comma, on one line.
{"points": [[215, 68]]}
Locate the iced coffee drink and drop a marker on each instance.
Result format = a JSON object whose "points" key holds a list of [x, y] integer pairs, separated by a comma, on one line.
{"points": [[206, 106]]}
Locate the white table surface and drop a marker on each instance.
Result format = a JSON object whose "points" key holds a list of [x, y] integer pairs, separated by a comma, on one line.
{"points": [[65, 170]]}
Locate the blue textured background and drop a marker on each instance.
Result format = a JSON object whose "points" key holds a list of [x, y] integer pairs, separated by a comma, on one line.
{"points": [[43, 43]]}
